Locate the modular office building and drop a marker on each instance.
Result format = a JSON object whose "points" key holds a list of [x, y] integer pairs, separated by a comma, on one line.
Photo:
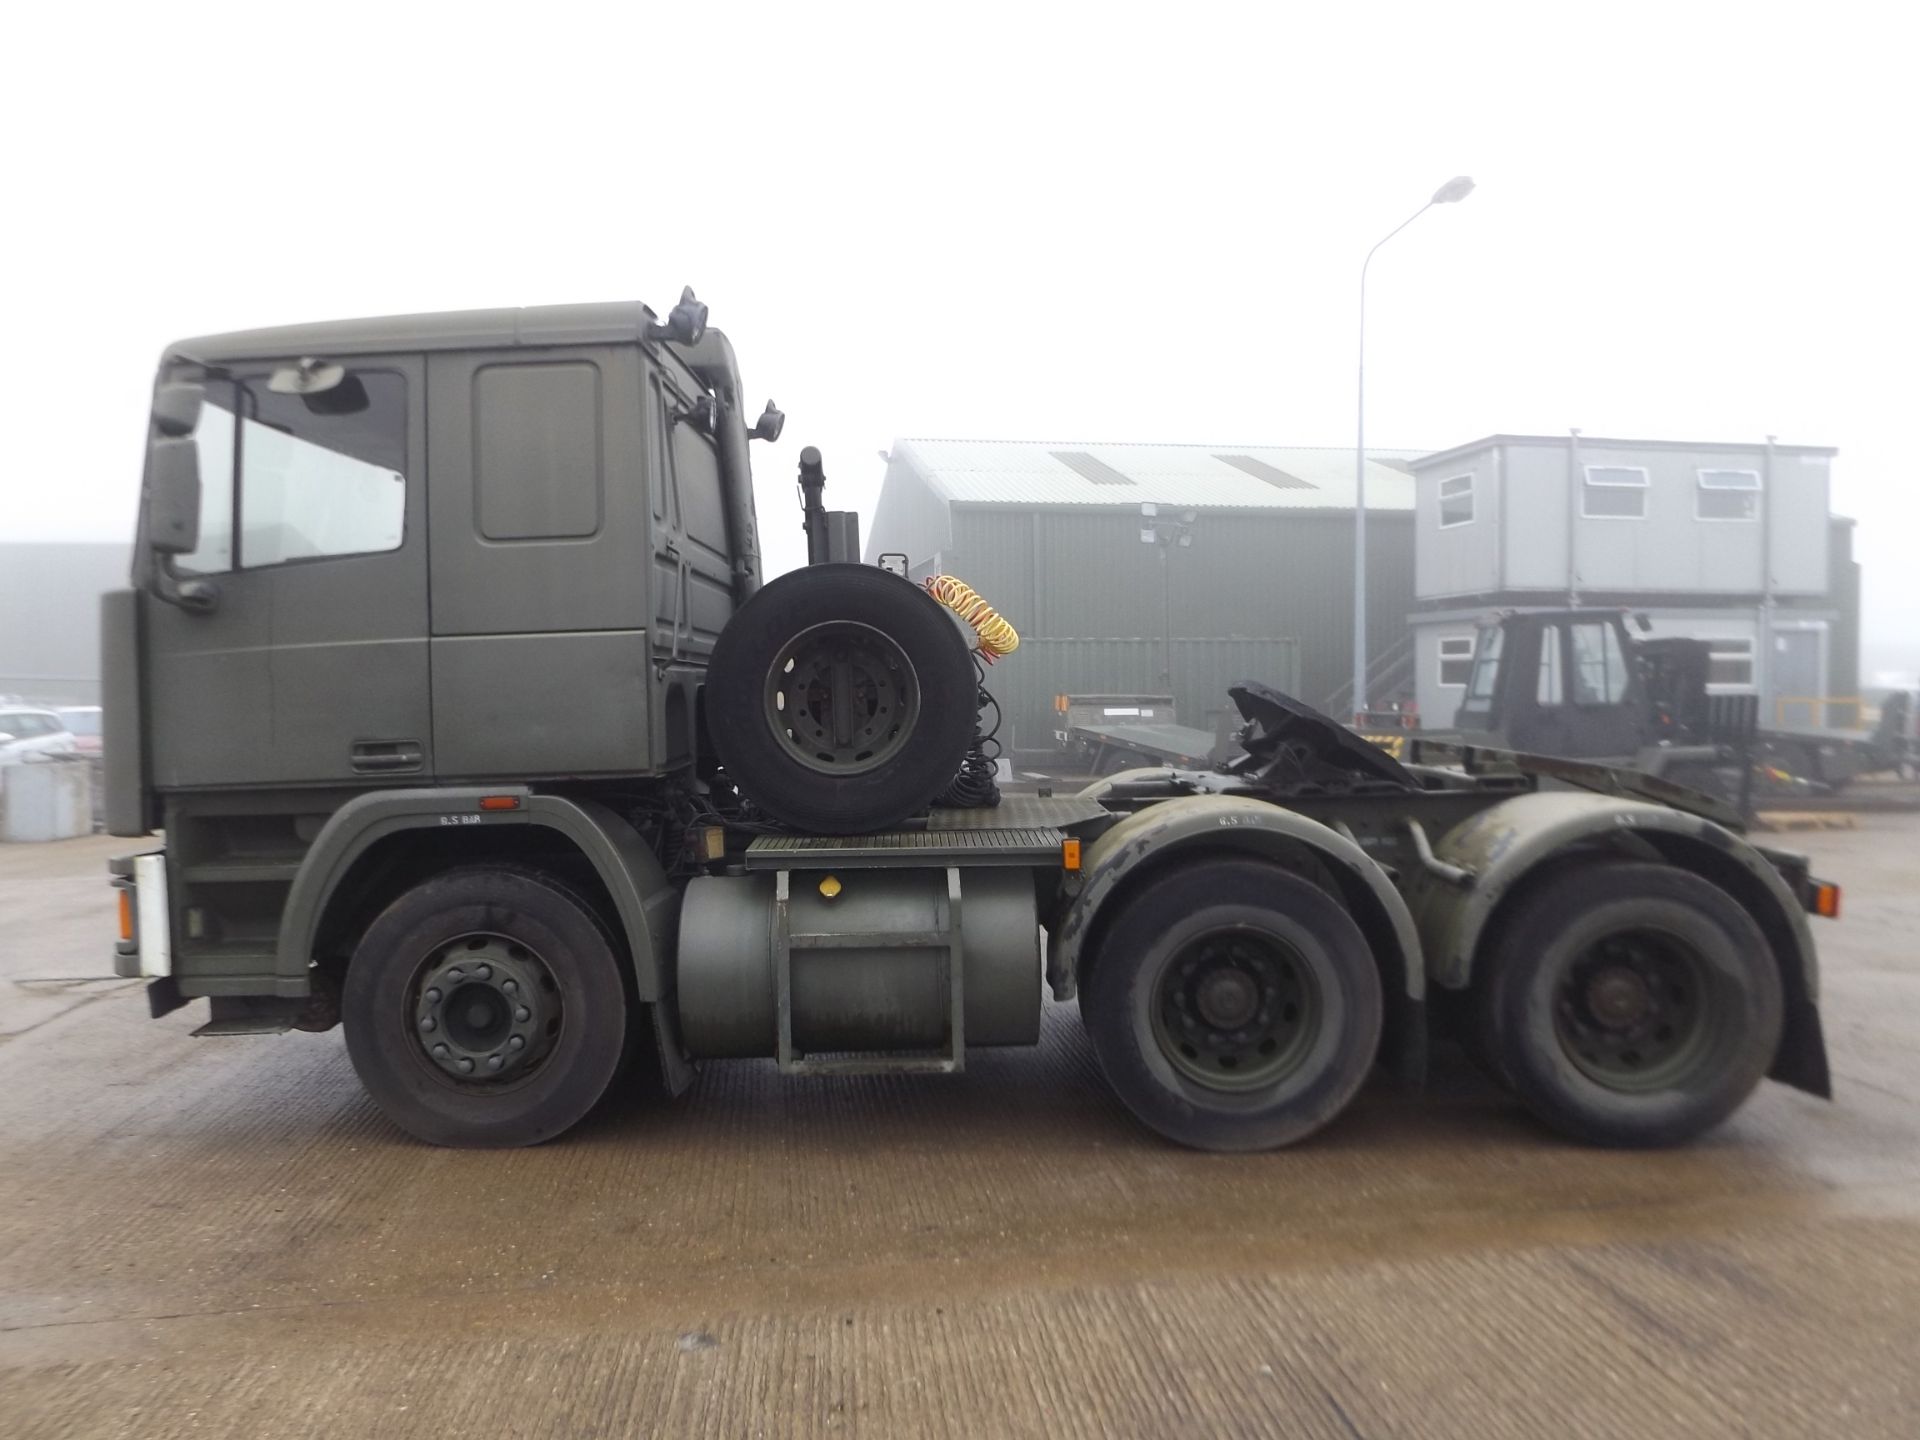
{"points": [[1734, 544]]}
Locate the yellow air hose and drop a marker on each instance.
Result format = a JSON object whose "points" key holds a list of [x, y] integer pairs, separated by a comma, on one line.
{"points": [[996, 636]]}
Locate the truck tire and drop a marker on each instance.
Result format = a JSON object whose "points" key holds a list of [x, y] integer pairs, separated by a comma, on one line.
{"points": [[1629, 1004], [1233, 1006], [841, 699], [485, 1007]]}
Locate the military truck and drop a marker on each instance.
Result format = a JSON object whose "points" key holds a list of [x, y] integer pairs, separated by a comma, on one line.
{"points": [[448, 675]]}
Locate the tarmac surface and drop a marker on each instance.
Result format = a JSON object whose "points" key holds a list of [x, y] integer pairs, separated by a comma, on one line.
{"points": [[223, 1237]]}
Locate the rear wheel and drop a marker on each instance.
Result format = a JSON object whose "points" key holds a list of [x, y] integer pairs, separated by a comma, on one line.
{"points": [[485, 1007], [1630, 1004], [1233, 1006]]}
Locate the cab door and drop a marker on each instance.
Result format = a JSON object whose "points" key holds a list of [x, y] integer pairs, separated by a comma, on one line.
{"points": [[541, 580], [310, 665]]}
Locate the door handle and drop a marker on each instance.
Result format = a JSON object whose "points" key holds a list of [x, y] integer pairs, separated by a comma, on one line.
{"points": [[367, 756]]}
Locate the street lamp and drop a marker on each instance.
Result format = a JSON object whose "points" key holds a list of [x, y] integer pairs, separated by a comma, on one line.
{"points": [[1453, 191], [1166, 533]]}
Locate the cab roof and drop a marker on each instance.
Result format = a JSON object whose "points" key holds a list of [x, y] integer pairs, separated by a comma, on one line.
{"points": [[606, 322]]}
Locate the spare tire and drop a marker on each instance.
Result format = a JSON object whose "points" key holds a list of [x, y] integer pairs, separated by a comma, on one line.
{"points": [[841, 699]]}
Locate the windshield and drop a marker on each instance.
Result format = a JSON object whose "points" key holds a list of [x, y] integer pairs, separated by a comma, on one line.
{"points": [[1486, 665], [82, 722]]}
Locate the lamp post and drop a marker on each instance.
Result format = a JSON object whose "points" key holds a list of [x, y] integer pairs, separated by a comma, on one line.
{"points": [[1165, 534], [1453, 191]]}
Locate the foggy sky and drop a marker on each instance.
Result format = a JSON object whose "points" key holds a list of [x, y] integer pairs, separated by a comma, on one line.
{"points": [[1084, 223]]}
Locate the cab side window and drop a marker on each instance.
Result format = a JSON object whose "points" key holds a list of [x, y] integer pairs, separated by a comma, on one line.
{"points": [[300, 477], [1599, 665]]}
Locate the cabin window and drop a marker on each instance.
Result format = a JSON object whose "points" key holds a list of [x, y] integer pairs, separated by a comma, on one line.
{"points": [[1456, 501], [1456, 659], [1614, 492], [1599, 671], [300, 477], [1486, 665], [1727, 495], [1730, 663], [1550, 688]]}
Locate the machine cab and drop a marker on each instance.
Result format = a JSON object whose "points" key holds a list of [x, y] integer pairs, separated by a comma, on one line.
{"points": [[1556, 683]]}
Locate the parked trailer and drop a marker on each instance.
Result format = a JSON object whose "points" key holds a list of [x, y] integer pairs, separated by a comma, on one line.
{"points": [[570, 777], [1106, 734]]}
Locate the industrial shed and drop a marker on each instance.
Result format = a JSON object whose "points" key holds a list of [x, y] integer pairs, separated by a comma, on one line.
{"points": [[1051, 534]]}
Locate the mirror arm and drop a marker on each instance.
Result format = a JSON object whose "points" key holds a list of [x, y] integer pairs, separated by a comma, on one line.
{"points": [[197, 596]]}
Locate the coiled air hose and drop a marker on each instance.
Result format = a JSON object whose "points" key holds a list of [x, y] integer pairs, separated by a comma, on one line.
{"points": [[976, 786], [994, 636]]}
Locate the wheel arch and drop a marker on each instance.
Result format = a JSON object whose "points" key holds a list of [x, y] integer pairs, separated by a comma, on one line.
{"points": [[1511, 846], [642, 907], [1191, 829]]}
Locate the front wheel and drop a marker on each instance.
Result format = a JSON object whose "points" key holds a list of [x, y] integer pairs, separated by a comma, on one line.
{"points": [[1630, 1004], [1233, 1006], [485, 1007]]}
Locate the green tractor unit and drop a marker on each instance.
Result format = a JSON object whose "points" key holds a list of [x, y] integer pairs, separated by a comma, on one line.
{"points": [[448, 674]]}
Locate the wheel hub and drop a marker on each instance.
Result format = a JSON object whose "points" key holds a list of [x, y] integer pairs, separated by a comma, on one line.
{"points": [[1619, 998], [1235, 1011], [485, 1008], [1633, 1012], [1227, 999], [842, 698]]}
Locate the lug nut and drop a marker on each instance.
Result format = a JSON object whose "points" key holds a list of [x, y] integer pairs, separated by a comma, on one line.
{"points": [[429, 1024], [517, 1042], [493, 1062], [441, 1051], [433, 997], [456, 973], [466, 1066], [485, 972], [523, 1013], [512, 987]]}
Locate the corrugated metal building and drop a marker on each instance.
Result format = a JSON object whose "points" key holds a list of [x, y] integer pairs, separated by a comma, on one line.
{"points": [[1051, 535]]}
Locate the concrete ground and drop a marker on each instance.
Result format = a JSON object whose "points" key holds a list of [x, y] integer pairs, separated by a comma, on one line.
{"points": [[223, 1237]]}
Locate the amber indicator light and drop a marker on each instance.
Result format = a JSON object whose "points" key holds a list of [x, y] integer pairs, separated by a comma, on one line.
{"points": [[499, 802], [1070, 854]]}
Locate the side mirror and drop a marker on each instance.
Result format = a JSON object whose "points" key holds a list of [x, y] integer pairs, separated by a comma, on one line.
{"points": [[176, 407], [771, 422], [173, 495], [686, 322]]}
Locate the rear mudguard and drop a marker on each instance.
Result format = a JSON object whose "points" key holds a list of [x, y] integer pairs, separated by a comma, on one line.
{"points": [[1505, 845], [1193, 827]]}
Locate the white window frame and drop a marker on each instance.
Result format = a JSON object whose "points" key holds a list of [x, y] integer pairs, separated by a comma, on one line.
{"points": [[1473, 508], [1731, 647], [1702, 485], [1442, 657], [1590, 484]]}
